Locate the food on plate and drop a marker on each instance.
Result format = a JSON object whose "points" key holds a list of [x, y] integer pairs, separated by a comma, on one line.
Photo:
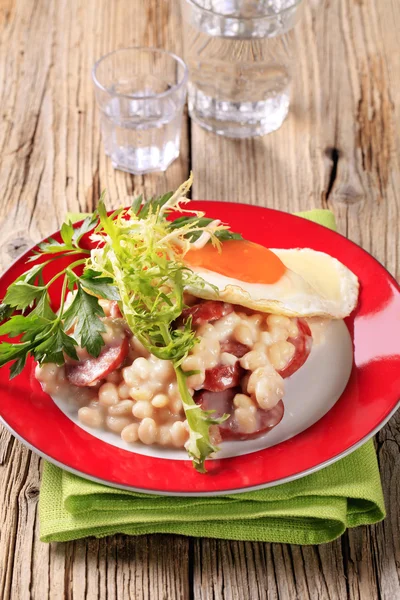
{"points": [[171, 331]]}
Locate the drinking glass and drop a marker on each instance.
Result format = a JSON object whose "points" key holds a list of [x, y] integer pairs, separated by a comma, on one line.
{"points": [[140, 93], [240, 59]]}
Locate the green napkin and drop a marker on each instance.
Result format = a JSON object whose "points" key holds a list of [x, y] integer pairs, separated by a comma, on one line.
{"points": [[311, 510]]}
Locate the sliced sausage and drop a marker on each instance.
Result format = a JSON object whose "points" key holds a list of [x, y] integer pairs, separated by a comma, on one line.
{"points": [[223, 377], [234, 347], [206, 312], [222, 403], [88, 372], [302, 344]]}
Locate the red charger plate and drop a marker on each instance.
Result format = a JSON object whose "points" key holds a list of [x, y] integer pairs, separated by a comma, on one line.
{"points": [[369, 400]]}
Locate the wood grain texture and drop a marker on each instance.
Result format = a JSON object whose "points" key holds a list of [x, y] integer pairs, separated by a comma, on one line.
{"points": [[340, 148]]}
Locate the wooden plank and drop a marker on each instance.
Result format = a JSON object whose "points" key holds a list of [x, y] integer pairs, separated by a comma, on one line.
{"points": [[52, 161]]}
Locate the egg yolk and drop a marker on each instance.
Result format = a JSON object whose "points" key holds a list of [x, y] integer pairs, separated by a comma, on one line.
{"points": [[239, 259]]}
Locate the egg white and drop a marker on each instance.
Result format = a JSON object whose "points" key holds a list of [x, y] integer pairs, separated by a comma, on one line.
{"points": [[315, 284]]}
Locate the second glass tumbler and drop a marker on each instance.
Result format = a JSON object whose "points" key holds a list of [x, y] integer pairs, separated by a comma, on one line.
{"points": [[239, 54]]}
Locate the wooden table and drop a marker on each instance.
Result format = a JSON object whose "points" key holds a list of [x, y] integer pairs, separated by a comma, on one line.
{"points": [[339, 148]]}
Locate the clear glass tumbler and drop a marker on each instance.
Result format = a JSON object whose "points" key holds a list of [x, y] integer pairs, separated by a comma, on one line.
{"points": [[240, 59], [141, 93]]}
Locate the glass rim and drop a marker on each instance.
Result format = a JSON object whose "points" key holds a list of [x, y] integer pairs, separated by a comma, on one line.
{"points": [[195, 3], [150, 49]]}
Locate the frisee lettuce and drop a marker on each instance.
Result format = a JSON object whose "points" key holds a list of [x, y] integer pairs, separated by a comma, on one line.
{"points": [[138, 262], [143, 255]]}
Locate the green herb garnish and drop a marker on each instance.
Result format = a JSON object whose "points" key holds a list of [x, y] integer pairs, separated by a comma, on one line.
{"points": [[138, 262]]}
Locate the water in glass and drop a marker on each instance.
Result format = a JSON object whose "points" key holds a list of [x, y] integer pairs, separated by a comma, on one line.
{"points": [[140, 93], [144, 141], [239, 54]]}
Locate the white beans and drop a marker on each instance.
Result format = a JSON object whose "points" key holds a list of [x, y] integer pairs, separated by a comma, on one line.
{"points": [[254, 359], [242, 334], [123, 408], [242, 401], [179, 434], [123, 391], [162, 370], [228, 359], [278, 321], [192, 363], [267, 386], [280, 354], [164, 435], [160, 400], [129, 376], [246, 419], [130, 433], [256, 320], [137, 372], [142, 409], [224, 327], [91, 417], [141, 367], [141, 393], [147, 431], [117, 424], [173, 390], [208, 350], [176, 406], [280, 328], [108, 394], [142, 402]]}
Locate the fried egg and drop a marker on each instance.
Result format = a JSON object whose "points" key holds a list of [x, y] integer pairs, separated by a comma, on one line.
{"points": [[295, 282]]}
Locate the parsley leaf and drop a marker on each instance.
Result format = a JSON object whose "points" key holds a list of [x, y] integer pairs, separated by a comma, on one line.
{"points": [[67, 233], [71, 237], [5, 311], [43, 309], [87, 225], [51, 246], [100, 286], [53, 347], [18, 365], [84, 312], [10, 351], [20, 295], [18, 324], [44, 334], [32, 274]]}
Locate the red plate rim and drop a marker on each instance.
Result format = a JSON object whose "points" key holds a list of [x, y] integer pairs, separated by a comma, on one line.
{"points": [[362, 410]]}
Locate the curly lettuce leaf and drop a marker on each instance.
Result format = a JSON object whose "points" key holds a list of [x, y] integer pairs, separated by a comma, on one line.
{"points": [[143, 256]]}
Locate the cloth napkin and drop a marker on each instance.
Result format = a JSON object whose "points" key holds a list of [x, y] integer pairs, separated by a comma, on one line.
{"points": [[312, 510]]}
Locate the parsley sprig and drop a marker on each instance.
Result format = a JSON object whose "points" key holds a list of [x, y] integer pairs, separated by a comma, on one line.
{"points": [[138, 261], [45, 333]]}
